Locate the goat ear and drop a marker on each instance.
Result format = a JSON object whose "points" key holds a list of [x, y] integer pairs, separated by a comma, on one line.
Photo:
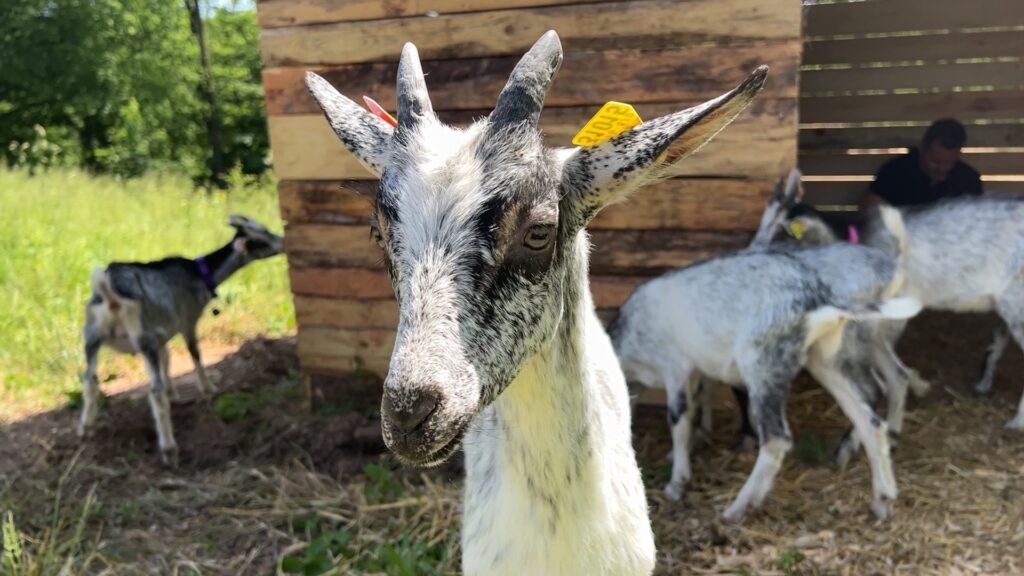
{"points": [[787, 194], [366, 136], [600, 175]]}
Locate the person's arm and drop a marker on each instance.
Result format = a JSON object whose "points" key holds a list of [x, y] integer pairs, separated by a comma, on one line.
{"points": [[881, 188], [974, 187]]}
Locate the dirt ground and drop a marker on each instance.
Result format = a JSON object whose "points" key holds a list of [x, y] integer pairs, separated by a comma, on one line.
{"points": [[263, 480]]}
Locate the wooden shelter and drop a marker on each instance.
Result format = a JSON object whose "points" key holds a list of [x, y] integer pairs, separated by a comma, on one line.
{"points": [[876, 73], [659, 55]]}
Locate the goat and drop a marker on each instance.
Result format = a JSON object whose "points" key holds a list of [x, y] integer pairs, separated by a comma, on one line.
{"points": [[498, 345], [753, 319], [136, 307], [967, 255]]}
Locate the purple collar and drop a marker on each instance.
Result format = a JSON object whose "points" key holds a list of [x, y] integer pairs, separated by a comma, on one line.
{"points": [[206, 275]]}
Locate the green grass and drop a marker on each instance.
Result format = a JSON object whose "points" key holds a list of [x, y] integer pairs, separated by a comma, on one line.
{"points": [[55, 227]]}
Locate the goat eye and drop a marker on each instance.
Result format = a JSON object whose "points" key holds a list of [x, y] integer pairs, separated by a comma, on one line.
{"points": [[538, 237], [377, 237]]}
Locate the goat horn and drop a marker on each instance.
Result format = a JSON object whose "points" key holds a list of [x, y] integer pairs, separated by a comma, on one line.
{"points": [[523, 96], [413, 99]]}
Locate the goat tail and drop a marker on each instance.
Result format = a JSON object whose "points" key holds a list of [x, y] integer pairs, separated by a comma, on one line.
{"points": [[824, 326], [101, 285], [893, 222]]}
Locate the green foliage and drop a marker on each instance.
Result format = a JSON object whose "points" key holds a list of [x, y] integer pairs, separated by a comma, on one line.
{"points": [[233, 406], [55, 228], [409, 557], [382, 486], [113, 86], [789, 560], [812, 450]]}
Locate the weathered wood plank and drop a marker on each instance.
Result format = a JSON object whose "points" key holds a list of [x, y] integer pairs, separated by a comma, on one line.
{"points": [[279, 13], [305, 148], [690, 74], [850, 192], [645, 24], [875, 16], [928, 47], [859, 164], [324, 246], [828, 139], [342, 350], [998, 75], [965, 106], [360, 284], [346, 312], [336, 365], [692, 204]]}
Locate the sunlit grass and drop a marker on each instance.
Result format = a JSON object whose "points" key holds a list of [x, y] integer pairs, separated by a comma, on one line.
{"points": [[54, 228]]}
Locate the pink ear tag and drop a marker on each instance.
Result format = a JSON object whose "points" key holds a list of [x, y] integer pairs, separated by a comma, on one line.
{"points": [[853, 237], [379, 111]]}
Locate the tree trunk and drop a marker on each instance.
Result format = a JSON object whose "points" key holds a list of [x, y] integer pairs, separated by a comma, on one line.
{"points": [[207, 92]]}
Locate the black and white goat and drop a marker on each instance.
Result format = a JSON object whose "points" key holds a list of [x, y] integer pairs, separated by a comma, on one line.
{"points": [[753, 319], [965, 255], [137, 307]]}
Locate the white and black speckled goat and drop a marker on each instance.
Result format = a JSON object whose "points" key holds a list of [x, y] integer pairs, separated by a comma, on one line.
{"points": [[498, 347], [967, 255], [137, 307], [753, 319]]}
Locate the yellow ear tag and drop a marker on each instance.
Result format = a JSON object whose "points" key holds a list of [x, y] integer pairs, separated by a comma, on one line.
{"points": [[612, 119], [797, 228]]}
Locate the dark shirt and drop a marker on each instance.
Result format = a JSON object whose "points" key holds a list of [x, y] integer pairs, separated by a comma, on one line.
{"points": [[901, 182]]}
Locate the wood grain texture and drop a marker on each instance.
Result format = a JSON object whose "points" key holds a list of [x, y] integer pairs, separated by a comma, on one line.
{"points": [[679, 74], [827, 139], [999, 75], [643, 24], [690, 204], [346, 312], [912, 107], [854, 164], [325, 350], [305, 147], [928, 47], [279, 13], [903, 15]]}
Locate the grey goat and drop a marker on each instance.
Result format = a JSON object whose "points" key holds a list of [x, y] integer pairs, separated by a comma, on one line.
{"points": [[753, 319], [966, 255], [137, 307]]}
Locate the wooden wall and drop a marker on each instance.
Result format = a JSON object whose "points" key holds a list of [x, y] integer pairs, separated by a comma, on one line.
{"points": [[875, 73], [659, 55]]}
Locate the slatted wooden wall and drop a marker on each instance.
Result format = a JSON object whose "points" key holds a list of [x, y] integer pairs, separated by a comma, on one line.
{"points": [[876, 72], [660, 55]]}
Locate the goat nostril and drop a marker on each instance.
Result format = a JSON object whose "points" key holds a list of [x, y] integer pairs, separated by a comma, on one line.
{"points": [[409, 418]]}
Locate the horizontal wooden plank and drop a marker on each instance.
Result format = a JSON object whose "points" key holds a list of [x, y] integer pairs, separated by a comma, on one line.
{"points": [[278, 13], [324, 246], [928, 47], [997, 75], [855, 164], [693, 204], [680, 74], [346, 312], [305, 148], [850, 192], [822, 139], [332, 365], [965, 106], [360, 284], [877, 16], [341, 350], [645, 24]]}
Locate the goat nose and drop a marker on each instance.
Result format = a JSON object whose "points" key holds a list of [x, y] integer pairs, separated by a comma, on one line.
{"points": [[411, 415]]}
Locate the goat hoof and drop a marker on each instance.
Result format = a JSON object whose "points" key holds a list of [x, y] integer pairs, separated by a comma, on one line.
{"points": [[733, 516], [882, 508], [1017, 424], [844, 455], [84, 432], [169, 457], [919, 386], [983, 390], [674, 491]]}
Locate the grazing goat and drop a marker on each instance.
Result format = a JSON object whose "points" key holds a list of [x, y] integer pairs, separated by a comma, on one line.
{"points": [[753, 319], [967, 255], [137, 307], [498, 346]]}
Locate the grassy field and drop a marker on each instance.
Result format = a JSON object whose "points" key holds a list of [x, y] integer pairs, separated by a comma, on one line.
{"points": [[55, 228]]}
